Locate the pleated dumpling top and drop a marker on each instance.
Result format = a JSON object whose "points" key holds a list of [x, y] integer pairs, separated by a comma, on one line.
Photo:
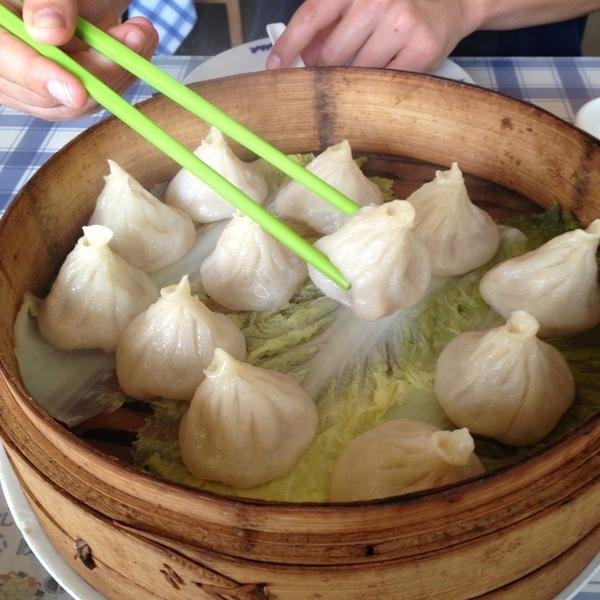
{"points": [[164, 351], [504, 383], [400, 457], [250, 270], [337, 167], [94, 297], [245, 425], [147, 233], [377, 251], [557, 283], [200, 202], [458, 235]]}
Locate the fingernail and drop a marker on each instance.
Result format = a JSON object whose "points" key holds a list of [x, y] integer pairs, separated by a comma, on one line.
{"points": [[135, 40], [48, 18], [60, 91], [273, 62]]}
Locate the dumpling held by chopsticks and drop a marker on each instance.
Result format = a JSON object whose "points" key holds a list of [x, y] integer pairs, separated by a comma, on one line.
{"points": [[378, 253]]}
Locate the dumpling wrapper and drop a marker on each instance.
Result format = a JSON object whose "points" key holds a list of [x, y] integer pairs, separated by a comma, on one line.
{"points": [[147, 233], [250, 270], [378, 253], [504, 383], [245, 425], [458, 235], [95, 295], [336, 167], [163, 352], [200, 202], [400, 457], [557, 283]]}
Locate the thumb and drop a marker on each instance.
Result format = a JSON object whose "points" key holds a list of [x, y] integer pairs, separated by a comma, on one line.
{"points": [[50, 21]]}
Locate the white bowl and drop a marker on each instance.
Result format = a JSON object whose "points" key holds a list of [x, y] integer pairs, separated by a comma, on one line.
{"points": [[588, 117]]}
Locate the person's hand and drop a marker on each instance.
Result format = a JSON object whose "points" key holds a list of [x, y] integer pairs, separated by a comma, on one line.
{"points": [[35, 85], [399, 34]]}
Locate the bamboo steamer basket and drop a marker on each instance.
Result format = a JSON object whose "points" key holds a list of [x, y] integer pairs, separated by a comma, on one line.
{"points": [[522, 532]]}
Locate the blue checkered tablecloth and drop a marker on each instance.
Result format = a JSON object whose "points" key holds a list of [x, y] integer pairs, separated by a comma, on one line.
{"points": [[173, 20], [27, 143], [560, 85]]}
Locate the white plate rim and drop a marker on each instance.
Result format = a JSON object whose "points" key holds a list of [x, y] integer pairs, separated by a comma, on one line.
{"points": [[36, 538], [588, 117], [251, 56]]}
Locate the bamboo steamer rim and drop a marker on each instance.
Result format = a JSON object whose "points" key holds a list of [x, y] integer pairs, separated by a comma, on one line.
{"points": [[577, 439]]}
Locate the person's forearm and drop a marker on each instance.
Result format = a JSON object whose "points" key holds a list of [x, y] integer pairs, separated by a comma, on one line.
{"points": [[512, 14]]}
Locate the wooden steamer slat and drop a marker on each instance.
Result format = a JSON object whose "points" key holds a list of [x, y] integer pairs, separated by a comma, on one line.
{"points": [[299, 534], [490, 562], [552, 578]]}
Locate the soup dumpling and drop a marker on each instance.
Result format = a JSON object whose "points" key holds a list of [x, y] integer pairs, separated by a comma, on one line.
{"points": [[378, 253], [95, 295], [163, 352], [337, 167], [198, 200], [147, 233], [400, 457], [250, 270], [245, 425], [458, 235], [504, 383], [557, 283]]}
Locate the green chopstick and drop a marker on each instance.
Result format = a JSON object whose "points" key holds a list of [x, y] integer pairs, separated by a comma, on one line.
{"points": [[106, 97], [197, 105]]}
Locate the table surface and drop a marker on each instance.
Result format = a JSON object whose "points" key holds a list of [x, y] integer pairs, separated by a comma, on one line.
{"points": [[559, 85]]}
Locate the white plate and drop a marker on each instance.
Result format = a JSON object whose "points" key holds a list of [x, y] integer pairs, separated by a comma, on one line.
{"points": [[251, 57], [37, 539], [581, 580], [77, 587], [588, 117]]}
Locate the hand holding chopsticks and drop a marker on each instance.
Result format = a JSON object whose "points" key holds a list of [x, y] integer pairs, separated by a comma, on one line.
{"points": [[37, 86], [200, 107]]}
